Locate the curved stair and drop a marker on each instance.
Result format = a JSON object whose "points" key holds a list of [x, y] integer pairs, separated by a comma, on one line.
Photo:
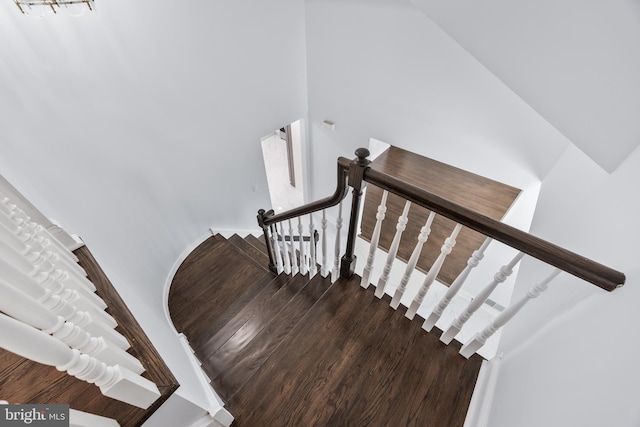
{"points": [[299, 351]]}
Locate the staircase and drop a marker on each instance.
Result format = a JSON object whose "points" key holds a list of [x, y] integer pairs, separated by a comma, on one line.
{"points": [[298, 351]]}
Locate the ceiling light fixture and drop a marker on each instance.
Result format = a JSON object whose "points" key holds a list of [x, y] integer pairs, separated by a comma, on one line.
{"points": [[38, 7]]}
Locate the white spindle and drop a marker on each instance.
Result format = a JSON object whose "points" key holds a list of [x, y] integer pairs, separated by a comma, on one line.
{"points": [[116, 381], [85, 419], [324, 270], [375, 238], [62, 304], [285, 251], [481, 338], [32, 263], [500, 276], [31, 229], [313, 265], [43, 245], [336, 258], [452, 291], [431, 276], [413, 260], [304, 268], [22, 307], [294, 260], [276, 248], [393, 250]]}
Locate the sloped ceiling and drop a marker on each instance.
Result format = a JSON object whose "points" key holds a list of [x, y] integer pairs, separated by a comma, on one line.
{"points": [[577, 62]]}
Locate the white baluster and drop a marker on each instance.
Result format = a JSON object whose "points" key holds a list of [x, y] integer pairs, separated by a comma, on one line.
{"points": [[481, 338], [14, 249], [393, 250], [304, 268], [431, 276], [285, 251], [276, 248], [22, 307], [480, 299], [375, 238], [313, 264], [294, 259], [336, 258], [452, 291], [26, 243], [413, 260], [85, 419], [116, 381], [62, 304], [31, 229], [324, 270]]}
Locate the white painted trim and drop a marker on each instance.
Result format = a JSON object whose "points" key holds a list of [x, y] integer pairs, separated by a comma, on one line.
{"points": [[226, 233], [482, 399], [218, 414]]}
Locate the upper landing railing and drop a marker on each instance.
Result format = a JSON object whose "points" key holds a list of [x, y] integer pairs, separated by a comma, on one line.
{"points": [[297, 257]]}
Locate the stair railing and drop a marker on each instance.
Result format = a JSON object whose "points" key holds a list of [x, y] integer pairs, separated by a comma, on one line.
{"points": [[357, 173]]}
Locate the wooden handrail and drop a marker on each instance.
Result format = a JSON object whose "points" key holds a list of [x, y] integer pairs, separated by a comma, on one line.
{"points": [[327, 202], [584, 268]]}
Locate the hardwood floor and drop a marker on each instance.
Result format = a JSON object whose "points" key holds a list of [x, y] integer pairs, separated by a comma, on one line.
{"points": [[298, 352], [478, 193]]}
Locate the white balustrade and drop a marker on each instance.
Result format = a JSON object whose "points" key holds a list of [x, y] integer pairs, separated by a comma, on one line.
{"points": [[324, 268], [393, 250], [285, 251], [59, 304], [500, 276], [413, 261], [29, 229], [313, 264], [114, 381], [481, 338], [431, 276], [336, 256], [304, 269], [26, 309], [294, 259], [455, 287], [375, 238], [54, 280], [32, 263]]}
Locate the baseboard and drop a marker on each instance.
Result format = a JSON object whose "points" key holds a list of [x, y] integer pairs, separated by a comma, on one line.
{"points": [[482, 398]]}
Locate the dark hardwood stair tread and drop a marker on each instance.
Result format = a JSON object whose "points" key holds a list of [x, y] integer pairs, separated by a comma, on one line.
{"points": [[204, 288], [260, 257], [257, 243], [250, 310], [234, 363]]}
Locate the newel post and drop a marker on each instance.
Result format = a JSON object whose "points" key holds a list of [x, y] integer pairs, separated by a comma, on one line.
{"points": [[262, 215], [356, 180]]}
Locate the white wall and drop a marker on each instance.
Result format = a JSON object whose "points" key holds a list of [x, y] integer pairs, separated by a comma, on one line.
{"points": [[384, 70], [575, 61], [123, 123], [582, 368]]}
